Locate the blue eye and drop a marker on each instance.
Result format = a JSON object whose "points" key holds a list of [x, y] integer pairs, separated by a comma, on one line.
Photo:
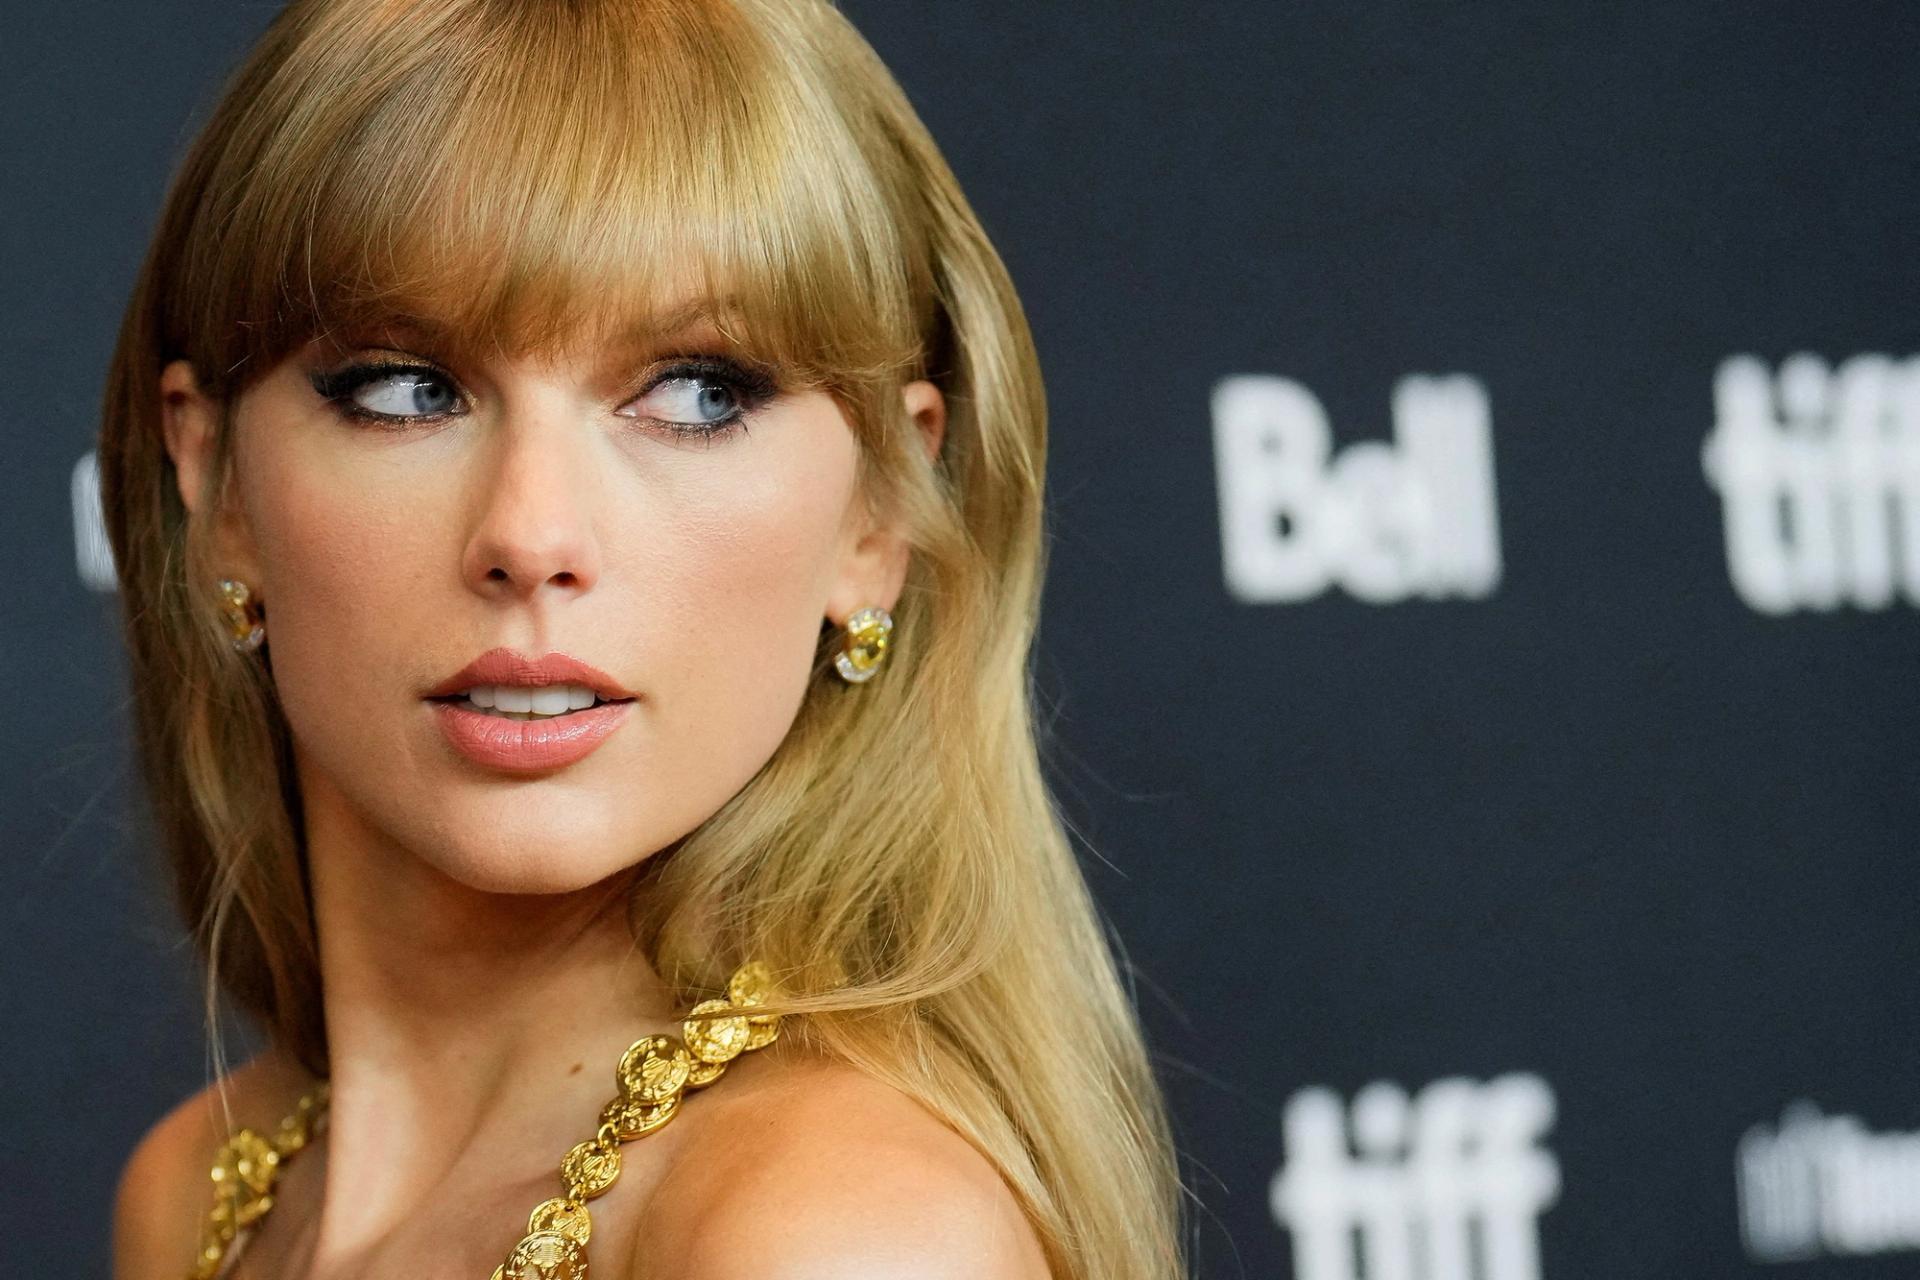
{"points": [[399, 392], [426, 396], [709, 396]]}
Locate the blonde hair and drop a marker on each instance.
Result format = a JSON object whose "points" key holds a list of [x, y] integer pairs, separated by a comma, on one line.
{"points": [[528, 175]]}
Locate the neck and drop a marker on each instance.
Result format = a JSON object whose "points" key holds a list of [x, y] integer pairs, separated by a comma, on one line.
{"points": [[466, 1029]]}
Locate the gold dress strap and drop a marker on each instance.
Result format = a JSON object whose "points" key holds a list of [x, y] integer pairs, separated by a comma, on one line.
{"points": [[244, 1171], [653, 1076]]}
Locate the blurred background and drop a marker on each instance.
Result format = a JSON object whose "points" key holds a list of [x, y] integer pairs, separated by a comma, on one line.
{"points": [[1480, 634]]}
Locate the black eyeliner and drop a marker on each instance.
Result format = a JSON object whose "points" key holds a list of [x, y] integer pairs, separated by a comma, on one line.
{"points": [[756, 384], [336, 384], [751, 385]]}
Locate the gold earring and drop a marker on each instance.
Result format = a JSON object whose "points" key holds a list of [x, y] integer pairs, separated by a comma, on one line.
{"points": [[868, 635], [245, 616]]}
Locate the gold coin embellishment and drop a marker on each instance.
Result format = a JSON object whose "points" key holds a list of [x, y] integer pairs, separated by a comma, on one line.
{"points": [[751, 983], [763, 1032], [246, 1163], [589, 1169], [633, 1119], [291, 1138], [715, 1039], [568, 1217], [244, 1171], [654, 1068], [705, 1073], [545, 1255]]}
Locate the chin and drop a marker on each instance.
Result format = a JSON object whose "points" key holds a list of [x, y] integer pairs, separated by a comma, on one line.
{"points": [[545, 877], [507, 861]]}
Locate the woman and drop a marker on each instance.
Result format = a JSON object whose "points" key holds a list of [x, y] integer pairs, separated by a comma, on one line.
{"points": [[575, 471]]}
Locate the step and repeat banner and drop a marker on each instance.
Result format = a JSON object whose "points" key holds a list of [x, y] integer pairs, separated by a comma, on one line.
{"points": [[1480, 649]]}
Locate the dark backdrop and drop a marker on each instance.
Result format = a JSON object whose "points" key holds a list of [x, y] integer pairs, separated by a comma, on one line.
{"points": [[1507, 812]]}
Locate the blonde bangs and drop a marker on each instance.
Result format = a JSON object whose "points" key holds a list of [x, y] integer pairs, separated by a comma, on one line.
{"points": [[518, 179]]}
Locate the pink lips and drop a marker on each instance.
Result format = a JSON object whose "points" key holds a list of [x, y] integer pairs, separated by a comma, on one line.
{"points": [[528, 746]]}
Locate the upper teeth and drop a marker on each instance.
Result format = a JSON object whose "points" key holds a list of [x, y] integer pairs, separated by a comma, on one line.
{"points": [[547, 699]]}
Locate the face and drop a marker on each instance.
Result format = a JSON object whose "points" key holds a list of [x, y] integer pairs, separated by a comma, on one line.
{"points": [[653, 514]]}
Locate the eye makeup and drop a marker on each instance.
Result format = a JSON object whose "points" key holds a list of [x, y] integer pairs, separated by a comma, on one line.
{"points": [[749, 388]]}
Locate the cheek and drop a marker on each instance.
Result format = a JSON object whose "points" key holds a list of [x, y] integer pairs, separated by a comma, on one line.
{"points": [[350, 573], [737, 593], [347, 590], [350, 608]]}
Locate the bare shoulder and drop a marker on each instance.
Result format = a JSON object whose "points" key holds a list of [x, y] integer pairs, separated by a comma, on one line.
{"points": [[821, 1172], [164, 1189]]}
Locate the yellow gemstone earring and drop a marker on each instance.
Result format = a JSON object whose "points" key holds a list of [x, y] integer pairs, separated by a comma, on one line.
{"points": [[868, 635], [245, 616]]}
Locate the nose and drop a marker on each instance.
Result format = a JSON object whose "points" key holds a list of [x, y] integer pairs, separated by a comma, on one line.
{"points": [[533, 522]]}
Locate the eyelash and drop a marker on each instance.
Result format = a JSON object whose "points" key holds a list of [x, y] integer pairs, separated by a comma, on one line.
{"points": [[751, 389]]}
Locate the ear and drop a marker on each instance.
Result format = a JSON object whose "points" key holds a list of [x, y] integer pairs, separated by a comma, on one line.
{"points": [[874, 569], [190, 421]]}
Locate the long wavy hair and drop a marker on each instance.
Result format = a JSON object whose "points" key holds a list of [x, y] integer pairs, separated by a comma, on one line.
{"points": [[525, 176]]}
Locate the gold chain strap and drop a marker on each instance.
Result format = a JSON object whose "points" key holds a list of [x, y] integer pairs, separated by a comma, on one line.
{"points": [[654, 1075], [244, 1170]]}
